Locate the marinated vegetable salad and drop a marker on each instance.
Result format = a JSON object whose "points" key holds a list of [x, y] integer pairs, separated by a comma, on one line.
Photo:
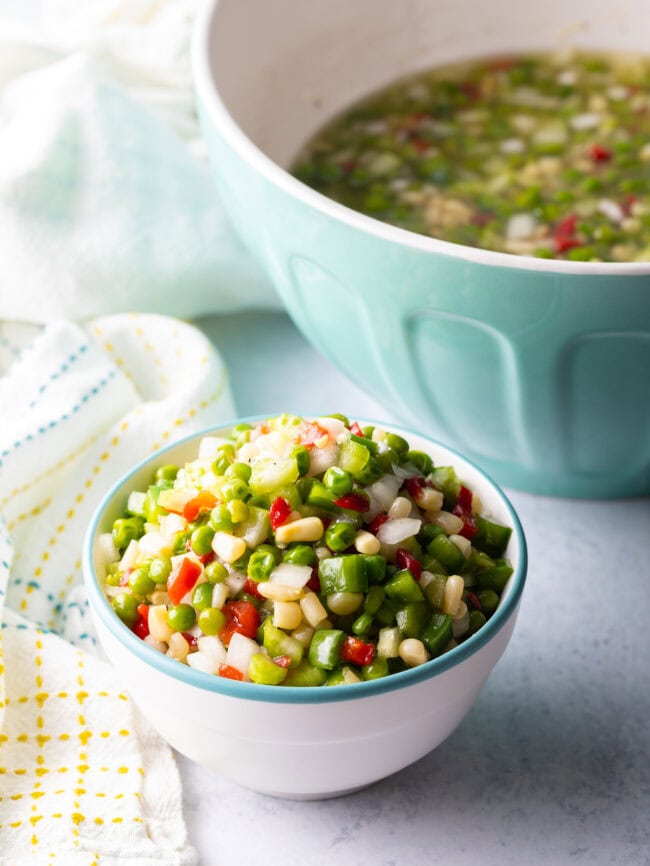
{"points": [[305, 553], [543, 155]]}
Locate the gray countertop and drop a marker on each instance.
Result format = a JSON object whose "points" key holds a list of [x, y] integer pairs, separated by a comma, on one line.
{"points": [[551, 766]]}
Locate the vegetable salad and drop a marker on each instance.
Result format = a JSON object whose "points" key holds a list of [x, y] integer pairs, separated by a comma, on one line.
{"points": [[305, 553], [543, 155]]}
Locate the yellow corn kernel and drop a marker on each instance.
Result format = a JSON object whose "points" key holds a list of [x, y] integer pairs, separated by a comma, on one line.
{"points": [[453, 596], [312, 609], [159, 596], [286, 614], [462, 543], [413, 652], [158, 626], [305, 529], [279, 592], [429, 499], [228, 547], [344, 603], [366, 542], [178, 647], [401, 507], [451, 523]]}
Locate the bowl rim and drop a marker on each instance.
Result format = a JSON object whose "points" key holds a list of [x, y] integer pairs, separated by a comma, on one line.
{"points": [[293, 694], [208, 92]]}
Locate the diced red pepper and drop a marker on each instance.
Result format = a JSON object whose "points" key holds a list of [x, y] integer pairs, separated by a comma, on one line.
{"points": [[182, 579], [279, 512], [403, 559], [626, 204], [314, 581], [230, 673], [473, 599], [241, 617], [282, 661], [310, 434], [356, 651], [598, 153], [415, 486], [349, 165], [141, 626], [353, 502], [501, 64], [379, 521], [354, 428], [207, 558], [190, 638], [470, 88], [463, 509], [565, 234], [204, 501], [250, 588], [420, 144]]}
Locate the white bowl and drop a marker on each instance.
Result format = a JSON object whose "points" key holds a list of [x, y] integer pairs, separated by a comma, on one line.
{"points": [[304, 743]]}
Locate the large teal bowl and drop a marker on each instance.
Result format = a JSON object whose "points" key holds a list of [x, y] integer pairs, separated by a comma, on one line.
{"points": [[539, 370]]}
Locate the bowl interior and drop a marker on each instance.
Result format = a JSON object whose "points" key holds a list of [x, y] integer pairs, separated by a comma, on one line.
{"points": [[304, 62], [495, 504]]}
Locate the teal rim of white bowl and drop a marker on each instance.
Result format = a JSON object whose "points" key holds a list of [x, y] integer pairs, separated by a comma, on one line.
{"points": [[207, 91], [298, 694]]}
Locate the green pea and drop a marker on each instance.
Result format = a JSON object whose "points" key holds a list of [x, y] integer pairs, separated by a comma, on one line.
{"points": [[159, 568], [168, 472], [239, 511], [234, 488], [262, 562], [376, 669], [113, 574], [211, 620], [215, 572], [239, 429], [338, 480], [339, 536], [397, 443], [302, 457], [181, 617], [127, 529], [221, 519], [140, 581], [239, 470], [489, 601], [421, 461], [125, 606], [224, 456], [180, 542], [202, 596], [300, 554], [201, 540]]}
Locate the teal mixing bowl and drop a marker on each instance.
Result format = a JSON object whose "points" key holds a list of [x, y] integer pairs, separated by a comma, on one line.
{"points": [[537, 369]]}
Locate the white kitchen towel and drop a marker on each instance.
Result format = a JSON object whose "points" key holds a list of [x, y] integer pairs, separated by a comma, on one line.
{"points": [[82, 779], [107, 203]]}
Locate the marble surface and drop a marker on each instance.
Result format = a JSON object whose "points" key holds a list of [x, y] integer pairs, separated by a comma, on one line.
{"points": [[551, 766]]}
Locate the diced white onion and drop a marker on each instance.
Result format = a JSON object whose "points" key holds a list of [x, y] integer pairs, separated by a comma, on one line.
{"points": [[334, 426], [235, 582], [135, 502], [584, 121], [394, 531], [406, 471], [154, 544], [220, 595], [170, 524], [210, 445], [155, 644], [212, 647], [611, 209], [512, 145], [520, 226], [106, 548], [291, 575], [382, 493], [131, 555], [240, 651], [323, 458], [200, 662]]}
